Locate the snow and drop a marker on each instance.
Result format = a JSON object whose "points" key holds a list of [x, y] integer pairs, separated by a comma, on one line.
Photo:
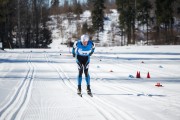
{"points": [[86, 14], [40, 84]]}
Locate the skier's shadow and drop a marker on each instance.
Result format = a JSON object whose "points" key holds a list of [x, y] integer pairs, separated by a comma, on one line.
{"points": [[150, 95], [111, 94]]}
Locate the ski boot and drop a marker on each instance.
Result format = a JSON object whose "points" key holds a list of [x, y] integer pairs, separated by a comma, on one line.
{"points": [[79, 90], [89, 90]]}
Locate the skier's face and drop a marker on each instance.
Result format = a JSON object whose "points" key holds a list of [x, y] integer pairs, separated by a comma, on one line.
{"points": [[85, 43]]}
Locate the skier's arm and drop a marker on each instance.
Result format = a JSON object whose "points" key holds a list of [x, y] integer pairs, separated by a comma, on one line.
{"points": [[93, 48], [73, 49], [73, 52]]}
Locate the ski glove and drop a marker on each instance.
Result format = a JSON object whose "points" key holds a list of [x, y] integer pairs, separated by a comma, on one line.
{"points": [[91, 52], [73, 55]]}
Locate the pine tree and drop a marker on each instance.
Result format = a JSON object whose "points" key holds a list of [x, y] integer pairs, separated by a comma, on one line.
{"points": [[164, 16], [45, 37], [3, 18], [85, 28], [55, 3], [98, 16], [54, 7], [7, 12], [78, 9], [143, 16], [126, 9]]}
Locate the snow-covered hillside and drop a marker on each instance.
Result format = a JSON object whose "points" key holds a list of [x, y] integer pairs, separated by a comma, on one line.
{"points": [[40, 84], [63, 29]]}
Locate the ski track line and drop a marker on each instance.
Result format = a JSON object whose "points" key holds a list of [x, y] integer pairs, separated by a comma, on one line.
{"points": [[2, 110], [13, 108], [116, 66], [4, 103], [50, 63], [137, 93], [118, 98], [72, 86], [137, 67], [110, 115], [6, 56], [121, 113], [147, 94], [41, 112], [126, 89], [106, 114], [157, 100], [116, 111], [145, 68], [62, 75], [28, 93]]}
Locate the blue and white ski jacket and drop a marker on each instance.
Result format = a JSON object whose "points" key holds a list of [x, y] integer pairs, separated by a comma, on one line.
{"points": [[80, 49]]}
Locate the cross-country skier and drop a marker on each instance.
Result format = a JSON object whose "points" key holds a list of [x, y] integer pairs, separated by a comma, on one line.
{"points": [[82, 50]]}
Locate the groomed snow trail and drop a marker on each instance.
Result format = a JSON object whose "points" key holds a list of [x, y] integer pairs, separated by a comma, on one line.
{"points": [[41, 85]]}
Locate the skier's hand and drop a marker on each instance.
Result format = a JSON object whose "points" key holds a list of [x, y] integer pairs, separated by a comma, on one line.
{"points": [[73, 55], [90, 53]]}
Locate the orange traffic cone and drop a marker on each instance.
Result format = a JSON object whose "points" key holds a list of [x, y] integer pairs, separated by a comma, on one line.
{"points": [[138, 74], [158, 85], [148, 75]]}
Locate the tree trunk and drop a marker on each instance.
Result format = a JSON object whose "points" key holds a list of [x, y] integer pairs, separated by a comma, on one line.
{"points": [[19, 26], [2, 34], [147, 31], [36, 23]]}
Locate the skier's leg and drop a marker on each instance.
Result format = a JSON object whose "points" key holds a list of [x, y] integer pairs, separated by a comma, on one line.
{"points": [[80, 69], [79, 77], [87, 76]]}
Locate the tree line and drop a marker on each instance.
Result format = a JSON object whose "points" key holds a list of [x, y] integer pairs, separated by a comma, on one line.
{"points": [[23, 23], [157, 14], [157, 17]]}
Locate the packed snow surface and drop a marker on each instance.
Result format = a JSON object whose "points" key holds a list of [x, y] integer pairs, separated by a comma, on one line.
{"points": [[40, 84]]}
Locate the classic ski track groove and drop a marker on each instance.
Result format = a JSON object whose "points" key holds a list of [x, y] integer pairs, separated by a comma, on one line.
{"points": [[56, 69], [14, 96], [147, 68], [125, 89], [113, 114], [138, 93], [11, 110], [72, 86], [108, 106], [141, 68]]}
